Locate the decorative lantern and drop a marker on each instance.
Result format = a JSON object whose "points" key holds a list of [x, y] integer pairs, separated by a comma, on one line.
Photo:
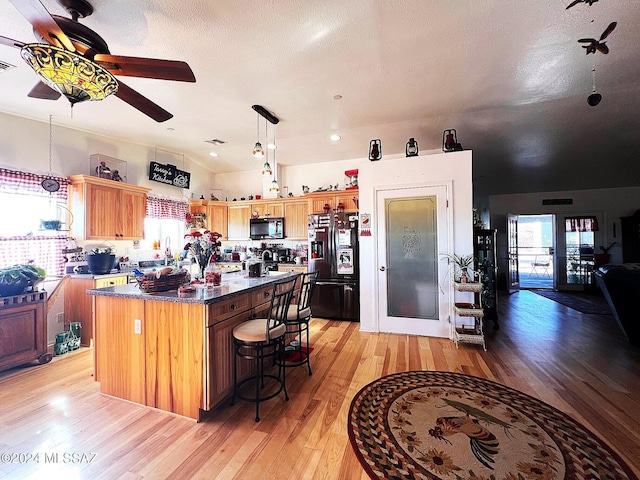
{"points": [[450, 141], [375, 150], [412, 148]]}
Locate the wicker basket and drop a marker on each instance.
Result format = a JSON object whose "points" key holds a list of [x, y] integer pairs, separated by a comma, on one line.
{"points": [[151, 283]]}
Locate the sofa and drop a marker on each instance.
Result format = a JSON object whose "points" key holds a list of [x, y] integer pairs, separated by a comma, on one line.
{"points": [[620, 285]]}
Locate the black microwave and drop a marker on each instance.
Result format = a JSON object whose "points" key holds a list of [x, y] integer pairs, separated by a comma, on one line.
{"points": [[266, 228]]}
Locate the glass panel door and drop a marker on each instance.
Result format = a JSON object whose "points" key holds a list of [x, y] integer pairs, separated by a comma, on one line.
{"points": [[412, 255], [580, 260]]}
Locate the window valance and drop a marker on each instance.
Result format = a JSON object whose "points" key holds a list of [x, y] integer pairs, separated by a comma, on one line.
{"points": [[26, 183], [581, 224], [166, 208]]}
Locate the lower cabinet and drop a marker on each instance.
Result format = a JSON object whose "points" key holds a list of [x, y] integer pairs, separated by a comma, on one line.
{"points": [[78, 306]]}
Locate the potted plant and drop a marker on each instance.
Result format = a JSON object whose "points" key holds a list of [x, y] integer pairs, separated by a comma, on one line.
{"points": [[604, 257], [17, 279], [462, 263]]}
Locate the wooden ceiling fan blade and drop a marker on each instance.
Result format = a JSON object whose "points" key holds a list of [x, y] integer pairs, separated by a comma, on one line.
{"points": [[10, 42], [587, 40], [602, 48], [43, 91], [43, 22], [146, 67], [575, 2], [142, 103]]}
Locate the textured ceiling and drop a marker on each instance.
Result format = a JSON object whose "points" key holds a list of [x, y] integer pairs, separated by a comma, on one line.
{"points": [[509, 75]]}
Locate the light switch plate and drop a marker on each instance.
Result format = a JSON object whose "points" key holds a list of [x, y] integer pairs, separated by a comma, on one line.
{"points": [[137, 326]]}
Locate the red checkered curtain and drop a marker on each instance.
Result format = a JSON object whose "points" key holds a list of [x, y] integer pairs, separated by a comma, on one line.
{"points": [[166, 208], [45, 252], [581, 224], [25, 183]]}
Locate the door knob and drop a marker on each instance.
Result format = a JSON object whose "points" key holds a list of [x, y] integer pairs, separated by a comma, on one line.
{"points": [[382, 269]]}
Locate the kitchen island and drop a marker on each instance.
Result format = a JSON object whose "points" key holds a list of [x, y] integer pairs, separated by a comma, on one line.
{"points": [[172, 352]]}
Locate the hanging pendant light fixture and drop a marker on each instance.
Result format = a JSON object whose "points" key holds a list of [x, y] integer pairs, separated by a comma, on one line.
{"points": [[258, 151], [274, 184], [266, 168]]}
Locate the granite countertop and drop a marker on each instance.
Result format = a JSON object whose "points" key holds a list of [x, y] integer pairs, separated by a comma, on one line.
{"points": [[236, 283]]}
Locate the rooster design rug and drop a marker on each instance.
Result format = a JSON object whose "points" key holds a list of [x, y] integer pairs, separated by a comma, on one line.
{"points": [[445, 425]]}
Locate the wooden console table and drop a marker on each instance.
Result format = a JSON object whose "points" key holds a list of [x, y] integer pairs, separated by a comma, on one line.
{"points": [[23, 329]]}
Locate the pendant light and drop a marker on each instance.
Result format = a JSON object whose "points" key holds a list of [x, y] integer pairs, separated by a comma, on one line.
{"points": [[274, 184], [266, 168], [258, 152]]}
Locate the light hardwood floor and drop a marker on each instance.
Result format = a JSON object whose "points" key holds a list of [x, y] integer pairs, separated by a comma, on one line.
{"points": [[580, 364]]}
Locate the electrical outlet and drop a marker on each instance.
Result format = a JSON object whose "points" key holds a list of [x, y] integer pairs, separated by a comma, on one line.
{"points": [[137, 326], [60, 317]]}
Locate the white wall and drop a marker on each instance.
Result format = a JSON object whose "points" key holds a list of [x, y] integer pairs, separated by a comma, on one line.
{"points": [[426, 169], [607, 204]]}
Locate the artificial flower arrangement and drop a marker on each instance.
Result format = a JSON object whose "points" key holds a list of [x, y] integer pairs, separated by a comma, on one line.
{"points": [[203, 247]]}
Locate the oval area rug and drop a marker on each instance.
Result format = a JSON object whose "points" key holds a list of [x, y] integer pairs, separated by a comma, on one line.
{"points": [[446, 425]]}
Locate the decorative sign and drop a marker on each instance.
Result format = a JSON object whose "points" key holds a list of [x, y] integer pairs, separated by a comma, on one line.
{"points": [[365, 225], [345, 261], [169, 175]]}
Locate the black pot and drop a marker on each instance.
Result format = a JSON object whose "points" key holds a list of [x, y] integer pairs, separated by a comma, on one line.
{"points": [[101, 263]]}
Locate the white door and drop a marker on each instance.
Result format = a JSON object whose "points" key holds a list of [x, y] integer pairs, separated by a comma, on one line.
{"points": [[413, 228]]}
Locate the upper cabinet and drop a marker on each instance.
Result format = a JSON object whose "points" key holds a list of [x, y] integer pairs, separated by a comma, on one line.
{"points": [[217, 213], [295, 219], [268, 209], [321, 201], [238, 218], [106, 210]]}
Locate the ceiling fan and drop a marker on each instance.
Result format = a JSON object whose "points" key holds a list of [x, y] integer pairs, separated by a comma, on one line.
{"points": [[66, 43], [575, 2], [598, 45]]}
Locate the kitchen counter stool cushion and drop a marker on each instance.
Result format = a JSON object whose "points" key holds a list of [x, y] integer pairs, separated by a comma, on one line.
{"points": [[298, 317], [261, 339]]}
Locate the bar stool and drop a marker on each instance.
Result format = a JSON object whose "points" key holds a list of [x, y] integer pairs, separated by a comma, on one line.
{"points": [[264, 338], [298, 316]]}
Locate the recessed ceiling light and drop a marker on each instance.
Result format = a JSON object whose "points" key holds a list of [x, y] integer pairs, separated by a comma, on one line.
{"points": [[213, 154], [271, 146], [335, 137]]}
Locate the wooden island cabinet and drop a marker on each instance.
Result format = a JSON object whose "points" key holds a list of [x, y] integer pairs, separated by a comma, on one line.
{"points": [[174, 353], [106, 210]]}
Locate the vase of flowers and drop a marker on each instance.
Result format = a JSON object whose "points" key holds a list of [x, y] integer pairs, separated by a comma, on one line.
{"points": [[203, 247]]}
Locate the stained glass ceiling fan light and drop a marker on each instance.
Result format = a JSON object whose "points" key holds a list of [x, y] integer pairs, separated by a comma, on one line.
{"points": [[74, 76]]}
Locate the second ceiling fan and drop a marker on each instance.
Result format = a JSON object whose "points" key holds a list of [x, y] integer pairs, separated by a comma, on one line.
{"points": [[66, 43]]}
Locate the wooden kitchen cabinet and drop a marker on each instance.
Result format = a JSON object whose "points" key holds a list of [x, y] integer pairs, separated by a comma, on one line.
{"points": [[296, 219], [78, 305], [23, 329], [238, 222], [217, 218], [268, 209], [348, 198], [106, 210]]}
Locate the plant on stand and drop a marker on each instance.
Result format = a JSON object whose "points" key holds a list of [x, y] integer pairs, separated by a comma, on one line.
{"points": [[461, 263], [203, 247]]}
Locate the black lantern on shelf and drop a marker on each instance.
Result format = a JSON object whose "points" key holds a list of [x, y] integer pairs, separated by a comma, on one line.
{"points": [[375, 150], [411, 149], [450, 141]]}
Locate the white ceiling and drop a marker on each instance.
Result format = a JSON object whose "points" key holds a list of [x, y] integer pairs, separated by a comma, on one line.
{"points": [[509, 75]]}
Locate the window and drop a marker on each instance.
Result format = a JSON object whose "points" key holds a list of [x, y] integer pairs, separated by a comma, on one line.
{"points": [[22, 236], [165, 223]]}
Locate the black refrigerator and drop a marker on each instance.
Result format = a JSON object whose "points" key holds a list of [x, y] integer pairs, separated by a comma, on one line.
{"points": [[333, 253]]}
